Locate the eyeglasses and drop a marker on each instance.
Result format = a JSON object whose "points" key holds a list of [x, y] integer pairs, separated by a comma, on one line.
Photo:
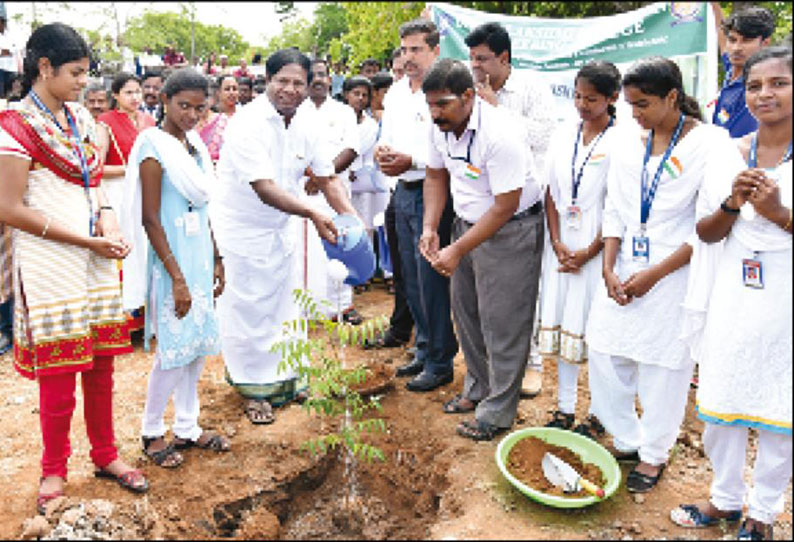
{"points": [[481, 59]]}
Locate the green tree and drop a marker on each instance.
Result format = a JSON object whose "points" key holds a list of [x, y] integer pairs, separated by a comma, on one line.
{"points": [[294, 33], [373, 29], [330, 22], [158, 30]]}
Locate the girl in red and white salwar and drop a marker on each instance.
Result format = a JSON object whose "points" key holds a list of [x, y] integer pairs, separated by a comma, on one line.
{"points": [[68, 314]]}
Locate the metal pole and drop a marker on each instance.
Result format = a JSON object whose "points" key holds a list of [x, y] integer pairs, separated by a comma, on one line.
{"points": [[192, 34]]}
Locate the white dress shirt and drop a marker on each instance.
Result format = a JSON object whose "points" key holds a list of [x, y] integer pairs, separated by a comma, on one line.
{"points": [[526, 94], [405, 126], [258, 146], [500, 162], [8, 62], [338, 126]]}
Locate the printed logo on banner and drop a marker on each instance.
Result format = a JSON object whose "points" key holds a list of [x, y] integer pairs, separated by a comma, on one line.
{"points": [[685, 12], [446, 23]]}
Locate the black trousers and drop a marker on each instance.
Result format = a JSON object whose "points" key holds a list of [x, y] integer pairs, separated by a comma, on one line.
{"points": [[401, 322]]}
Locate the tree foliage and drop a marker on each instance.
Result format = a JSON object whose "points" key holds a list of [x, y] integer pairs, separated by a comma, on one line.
{"points": [[330, 21], [158, 30], [373, 28], [313, 347]]}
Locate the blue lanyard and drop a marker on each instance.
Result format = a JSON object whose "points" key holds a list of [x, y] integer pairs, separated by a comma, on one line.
{"points": [[78, 149], [752, 159], [576, 179], [648, 193], [468, 148]]}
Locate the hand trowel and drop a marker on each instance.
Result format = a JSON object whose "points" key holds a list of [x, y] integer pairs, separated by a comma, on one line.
{"points": [[561, 474]]}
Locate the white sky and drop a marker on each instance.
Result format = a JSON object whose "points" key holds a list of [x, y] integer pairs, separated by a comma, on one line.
{"points": [[255, 21]]}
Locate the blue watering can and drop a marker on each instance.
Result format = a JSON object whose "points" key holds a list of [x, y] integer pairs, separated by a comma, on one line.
{"points": [[353, 248]]}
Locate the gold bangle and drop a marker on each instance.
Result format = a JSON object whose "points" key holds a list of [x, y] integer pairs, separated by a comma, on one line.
{"points": [[47, 226], [788, 224]]}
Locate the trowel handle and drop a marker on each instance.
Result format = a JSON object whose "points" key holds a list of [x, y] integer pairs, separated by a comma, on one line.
{"points": [[591, 488]]}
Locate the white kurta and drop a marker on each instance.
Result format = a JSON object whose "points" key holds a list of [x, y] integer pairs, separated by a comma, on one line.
{"points": [[337, 126], [746, 355], [647, 330], [258, 240], [566, 299], [370, 192]]}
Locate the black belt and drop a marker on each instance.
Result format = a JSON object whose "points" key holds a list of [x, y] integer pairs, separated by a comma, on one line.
{"points": [[412, 184], [529, 211]]}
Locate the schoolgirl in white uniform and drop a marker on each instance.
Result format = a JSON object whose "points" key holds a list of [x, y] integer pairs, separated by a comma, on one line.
{"points": [[633, 329], [576, 176], [745, 353]]}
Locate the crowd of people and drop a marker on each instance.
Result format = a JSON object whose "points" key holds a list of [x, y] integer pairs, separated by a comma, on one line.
{"points": [[643, 246]]}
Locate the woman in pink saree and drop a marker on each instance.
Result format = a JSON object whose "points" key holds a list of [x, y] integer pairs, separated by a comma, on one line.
{"points": [[211, 127]]}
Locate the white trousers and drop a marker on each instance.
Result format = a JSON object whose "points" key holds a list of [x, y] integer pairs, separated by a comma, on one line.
{"points": [[182, 383], [726, 447], [567, 379], [615, 381]]}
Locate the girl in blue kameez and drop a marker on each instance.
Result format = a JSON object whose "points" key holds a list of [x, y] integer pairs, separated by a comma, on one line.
{"points": [[169, 190]]}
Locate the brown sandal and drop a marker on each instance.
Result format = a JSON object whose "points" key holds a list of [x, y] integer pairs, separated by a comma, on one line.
{"points": [[454, 406], [259, 412], [161, 457]]}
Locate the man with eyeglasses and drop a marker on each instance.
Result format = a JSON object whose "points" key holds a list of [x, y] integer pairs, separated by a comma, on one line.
{"points": [[402, 153], [532, 105], [478, 154]]}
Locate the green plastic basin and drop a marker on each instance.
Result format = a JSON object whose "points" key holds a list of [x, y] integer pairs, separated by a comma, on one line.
{"points": [[589, 450]]}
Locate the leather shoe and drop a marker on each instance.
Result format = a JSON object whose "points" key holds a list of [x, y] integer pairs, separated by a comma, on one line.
{"points": [[428, 381], [413, 367]]}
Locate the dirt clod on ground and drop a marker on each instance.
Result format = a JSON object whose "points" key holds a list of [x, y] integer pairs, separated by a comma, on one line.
{"points": [[378, 378]]}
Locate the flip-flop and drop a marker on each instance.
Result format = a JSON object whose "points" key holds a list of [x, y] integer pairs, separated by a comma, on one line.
{"points": [[259, 407], [453, 406], [43, 498], [690, 516]]}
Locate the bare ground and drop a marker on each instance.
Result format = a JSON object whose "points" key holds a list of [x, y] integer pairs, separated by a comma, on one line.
{"points": [[434, 484]]}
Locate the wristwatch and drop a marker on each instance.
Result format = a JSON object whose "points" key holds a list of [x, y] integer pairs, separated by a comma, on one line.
{"points": [[725, 208]]}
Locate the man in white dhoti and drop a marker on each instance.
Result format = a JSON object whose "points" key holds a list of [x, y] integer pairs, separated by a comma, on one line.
{"points": [[268, 146], [338, 127]]}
